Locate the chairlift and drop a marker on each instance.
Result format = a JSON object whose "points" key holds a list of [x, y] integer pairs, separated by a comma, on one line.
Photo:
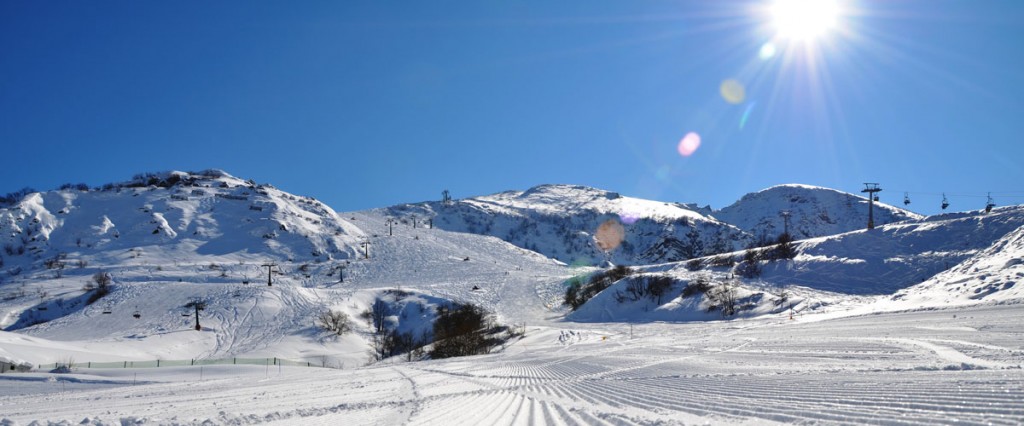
{"points": [[107, 310], [876, 198], [990, 204], [945, 202], [906, 199], [137, 314]]}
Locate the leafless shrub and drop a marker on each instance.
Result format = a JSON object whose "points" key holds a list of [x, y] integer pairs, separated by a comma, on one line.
{"points": [[336, 322]]}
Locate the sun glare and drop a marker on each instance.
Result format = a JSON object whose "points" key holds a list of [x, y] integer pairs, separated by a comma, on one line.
{"points": [[804, 20]]}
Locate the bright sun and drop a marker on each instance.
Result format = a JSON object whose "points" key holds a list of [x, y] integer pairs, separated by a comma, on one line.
{"points": [[804, 20]]}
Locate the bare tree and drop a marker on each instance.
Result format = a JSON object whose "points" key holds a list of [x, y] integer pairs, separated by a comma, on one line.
{"points": [[723, 297], [336, 322], [378, 313], [102, 279], [100, 286]]}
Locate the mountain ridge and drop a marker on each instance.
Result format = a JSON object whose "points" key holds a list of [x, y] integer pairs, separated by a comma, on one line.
{"points": [[167, 239]]}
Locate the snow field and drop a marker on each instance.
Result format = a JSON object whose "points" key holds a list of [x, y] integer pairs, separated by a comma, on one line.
{"points": [[924, 367]]}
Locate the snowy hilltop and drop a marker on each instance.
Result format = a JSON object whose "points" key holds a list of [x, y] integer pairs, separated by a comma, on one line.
{"points": [[813, 211], [210, 214], [563, 221]]}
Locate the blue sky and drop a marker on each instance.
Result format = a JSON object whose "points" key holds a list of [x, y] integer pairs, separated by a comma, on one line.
{"points": [[367, 103]]}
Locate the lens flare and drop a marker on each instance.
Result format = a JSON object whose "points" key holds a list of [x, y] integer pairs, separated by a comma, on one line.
{"points": [[609, 235], [663, 173], [767, 51], [689, 144], [629, 217], [746, 115], [732, 91]]}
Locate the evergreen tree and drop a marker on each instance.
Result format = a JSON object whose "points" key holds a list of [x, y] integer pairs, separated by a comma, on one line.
{"points": [[784, 248]]}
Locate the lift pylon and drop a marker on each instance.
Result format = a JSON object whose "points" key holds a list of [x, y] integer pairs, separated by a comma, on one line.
{"points": [[871, 189]]}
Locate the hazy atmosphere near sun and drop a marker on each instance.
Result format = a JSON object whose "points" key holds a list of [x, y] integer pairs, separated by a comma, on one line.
{"points": [[366, 104]]}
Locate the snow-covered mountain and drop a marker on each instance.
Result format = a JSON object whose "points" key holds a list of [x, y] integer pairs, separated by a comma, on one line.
{"points": [[582, 225], [210, 214], [814, 212], [565, 222]]}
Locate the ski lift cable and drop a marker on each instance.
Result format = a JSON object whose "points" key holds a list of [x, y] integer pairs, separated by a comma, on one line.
{"points": [[994, 194], [1008, 197]]}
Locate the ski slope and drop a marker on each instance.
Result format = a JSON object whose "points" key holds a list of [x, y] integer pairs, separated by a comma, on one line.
{"points": [[958, 366], [258, 320]]}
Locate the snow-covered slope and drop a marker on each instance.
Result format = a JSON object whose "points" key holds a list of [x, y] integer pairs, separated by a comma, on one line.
{"points": [[582, 225], [896, 256], [980, 253], [214, 249], [993, 274], [814, 212], [940, 366]]}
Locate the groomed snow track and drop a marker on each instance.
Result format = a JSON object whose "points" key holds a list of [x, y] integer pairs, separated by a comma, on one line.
{"points": [[928, 367]]}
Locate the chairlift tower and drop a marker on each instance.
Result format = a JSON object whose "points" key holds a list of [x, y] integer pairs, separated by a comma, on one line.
{"points": [[785, 218], [871, 189], [341, 272], [199, 305], [270, 272], [366, 248]]}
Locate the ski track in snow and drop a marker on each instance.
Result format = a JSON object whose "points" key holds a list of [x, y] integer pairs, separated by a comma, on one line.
{"points": [[789, 372]]}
